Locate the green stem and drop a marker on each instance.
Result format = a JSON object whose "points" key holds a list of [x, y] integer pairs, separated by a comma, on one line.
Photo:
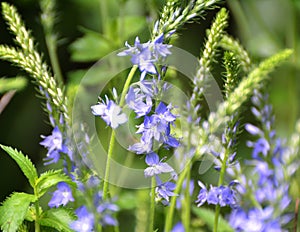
{"points": [[37, 214], [221, 181], [126, 85], [186, 205], [152, 205], [113, 137], [107, 167], [51, 45], [36, 222], [171, 209], [217, 213]]}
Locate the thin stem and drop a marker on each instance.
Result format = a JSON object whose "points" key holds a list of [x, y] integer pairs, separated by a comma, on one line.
{"points": [[126, 85], [217, 213], [152, 205], [37, 214], [170, 212], [221, 181], [107, 167], [112, 136], [36, 222], [186, 206], [52, 49]]}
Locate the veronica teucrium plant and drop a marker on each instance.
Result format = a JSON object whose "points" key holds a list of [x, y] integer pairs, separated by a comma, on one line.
{"points": [[183, 156]]}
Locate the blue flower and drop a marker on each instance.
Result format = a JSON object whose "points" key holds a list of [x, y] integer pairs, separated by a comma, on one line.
{"points": [[110, 112], [159, 49], [222, 195], [106, 210], [157, 126], [61, 196], [178, 227], [202, 196], [54, 141], [141, 104], [213, 195], [147, 54], [54, 144], [260, 146], [85, 221], [156, 165], [253, 129], [227, 196], [256, 220], [164, 191], [143, 147]]}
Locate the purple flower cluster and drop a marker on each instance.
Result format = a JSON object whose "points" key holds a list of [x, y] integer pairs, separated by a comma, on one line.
{"points": [[106, 210], [102, 212], [269, 189], [55, 145], [144, 99], [222, 195], [223, 152], [155, 131], [147, 55]]}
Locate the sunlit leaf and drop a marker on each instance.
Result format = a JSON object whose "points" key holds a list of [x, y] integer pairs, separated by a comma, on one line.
{"points": [[58, 218], [50, 179], [92, 46], [13, 211]]}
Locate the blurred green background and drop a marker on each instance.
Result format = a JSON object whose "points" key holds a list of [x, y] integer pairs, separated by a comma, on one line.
{"points": [[264, 27]]}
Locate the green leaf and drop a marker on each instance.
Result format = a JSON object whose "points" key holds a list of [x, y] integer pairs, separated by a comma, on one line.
{"points": [[127, 201], [24, 163], [58, 218], [132, 25], [13, 211], [208, 216], [92, 46], [50, 179], [16, 83]]}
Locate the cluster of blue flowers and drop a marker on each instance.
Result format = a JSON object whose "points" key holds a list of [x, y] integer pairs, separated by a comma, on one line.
{"points": [[147, 55], [222, 152], [221, 195], [269, 187], [58, 146], [143, 99]]}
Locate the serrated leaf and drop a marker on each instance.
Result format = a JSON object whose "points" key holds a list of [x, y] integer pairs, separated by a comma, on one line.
{"points": [[50, 179], [92, 46], [208, 216], [24, 163], [58, 218], [13, 211], [31, 213]]}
